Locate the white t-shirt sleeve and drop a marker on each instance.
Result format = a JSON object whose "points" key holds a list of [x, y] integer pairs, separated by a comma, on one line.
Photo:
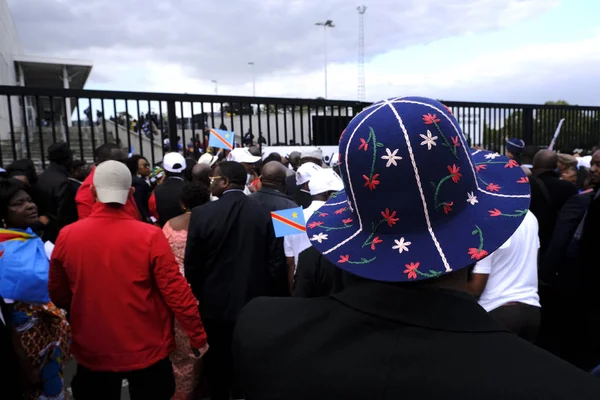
{"points": [[288, 247], [484, 266]]}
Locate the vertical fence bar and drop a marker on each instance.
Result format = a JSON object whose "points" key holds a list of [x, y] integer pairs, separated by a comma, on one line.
{"points": [[137, 125], [151, 132], [25, 127], [52, 117], [267, 107], [40, 130], [302, 125], [91, 116], [172, 120], [278, 142], [285, 129], [162, 128], [67, 120], [79, 134], [294, 124], [103, 120], [117, 121], [241, 115], [195, 143], [12, 128], [261, 138]]}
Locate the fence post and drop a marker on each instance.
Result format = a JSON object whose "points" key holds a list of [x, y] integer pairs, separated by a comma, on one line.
{"points": [[528, 125], [172, 119]]}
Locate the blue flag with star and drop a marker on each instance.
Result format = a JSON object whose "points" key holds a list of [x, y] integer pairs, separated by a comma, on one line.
{"points": [[221, 139], [288, 222]]}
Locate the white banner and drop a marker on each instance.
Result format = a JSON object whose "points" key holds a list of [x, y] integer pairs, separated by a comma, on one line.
{"points": [[328, 151]]}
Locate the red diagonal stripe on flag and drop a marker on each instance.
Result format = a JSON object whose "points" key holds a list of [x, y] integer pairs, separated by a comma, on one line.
{"points": [[222, 139], [288, 222]]}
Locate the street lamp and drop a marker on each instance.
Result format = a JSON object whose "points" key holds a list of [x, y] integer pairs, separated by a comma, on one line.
{"points": [[325, 25], [251, 63], [216, 86]]}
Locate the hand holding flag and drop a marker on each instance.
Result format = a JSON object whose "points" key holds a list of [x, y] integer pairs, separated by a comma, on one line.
{"points": [[288, 222]]}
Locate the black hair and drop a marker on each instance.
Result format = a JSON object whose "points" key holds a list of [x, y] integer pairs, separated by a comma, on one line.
{"points": [[272, 157], [78, 164], [23, 167], [234, 172], [528, 153], [132, 163], [8, 189], [189, 165], [104, 152], [194, 194]]}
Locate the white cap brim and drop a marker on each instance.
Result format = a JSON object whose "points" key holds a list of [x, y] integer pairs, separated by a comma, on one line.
{"points": [[112, 195]]}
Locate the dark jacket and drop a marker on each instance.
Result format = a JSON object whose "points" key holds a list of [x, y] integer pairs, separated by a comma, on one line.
{"points": [[141, 196], [231, 255], [273, 200], [548, 195], [57, 200], [316, 276], [380, 341], [167, 199], [302, 198]]}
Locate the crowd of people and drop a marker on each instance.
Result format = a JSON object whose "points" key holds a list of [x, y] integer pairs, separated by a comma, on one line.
{"points": [[426, 270]]}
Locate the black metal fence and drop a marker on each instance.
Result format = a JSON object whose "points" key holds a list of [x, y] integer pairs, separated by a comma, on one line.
{"points": [[154, 123]]}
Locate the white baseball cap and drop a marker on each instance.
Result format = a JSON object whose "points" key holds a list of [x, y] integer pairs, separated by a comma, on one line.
{"points": [[314, 153], [112, 180], [208, 159], [242, 155], [325, 180], [174, 162], [305, 172]]}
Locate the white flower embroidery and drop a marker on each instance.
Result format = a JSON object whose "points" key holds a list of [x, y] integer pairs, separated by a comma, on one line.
{"points": [[391, 158], [319, 238], [401, 245], [472, 199], [492, 156], [429, 140]]}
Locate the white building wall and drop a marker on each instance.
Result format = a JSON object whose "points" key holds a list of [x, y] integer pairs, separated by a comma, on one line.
{"points": [[10, 45]]}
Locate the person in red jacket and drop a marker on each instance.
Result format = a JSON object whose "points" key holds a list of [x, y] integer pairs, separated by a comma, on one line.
{"points": [[85, 199], [120, 282]]}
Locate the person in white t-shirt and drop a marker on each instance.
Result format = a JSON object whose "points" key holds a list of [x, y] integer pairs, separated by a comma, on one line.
{"points": [[506, 282], [322, 185]]}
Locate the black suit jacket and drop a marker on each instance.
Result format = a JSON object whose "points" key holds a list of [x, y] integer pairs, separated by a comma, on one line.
{"points": [[167, 199], [380, 341], [142, 195], [231, 255], [548, 195], [56, 200]]}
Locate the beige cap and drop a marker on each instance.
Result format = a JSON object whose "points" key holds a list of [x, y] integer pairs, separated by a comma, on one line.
{"points": [[112, 180]]}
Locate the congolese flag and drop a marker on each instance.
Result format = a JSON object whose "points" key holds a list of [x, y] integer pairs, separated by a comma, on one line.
{"points": [[288, 222], [221, 139]]}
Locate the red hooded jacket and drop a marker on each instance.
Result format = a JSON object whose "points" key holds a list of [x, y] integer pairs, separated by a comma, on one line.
{"points": [[119, 279]]}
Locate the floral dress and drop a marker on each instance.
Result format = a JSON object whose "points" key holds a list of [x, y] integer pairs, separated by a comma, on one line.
{"points": [[183, 364]]}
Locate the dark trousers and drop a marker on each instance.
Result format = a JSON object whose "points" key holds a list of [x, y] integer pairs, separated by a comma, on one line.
{"points": [[155, 382], [219, 360], [521, 319]]}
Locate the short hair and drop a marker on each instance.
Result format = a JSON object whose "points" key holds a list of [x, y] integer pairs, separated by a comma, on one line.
{"points": [[8, 189], [572, 168], [234, 172], [78, 164], [272, 157], [132, 163], [194, 194], [104, 152], [23, 167]]}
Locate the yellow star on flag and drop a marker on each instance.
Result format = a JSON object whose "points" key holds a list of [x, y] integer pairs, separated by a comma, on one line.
{"points": [[294, 215], [227, 136]]}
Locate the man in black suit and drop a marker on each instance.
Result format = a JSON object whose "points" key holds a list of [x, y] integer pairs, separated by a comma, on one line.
{"points": [[169, 192], [231, 257], [56, 191], [271, 196]]}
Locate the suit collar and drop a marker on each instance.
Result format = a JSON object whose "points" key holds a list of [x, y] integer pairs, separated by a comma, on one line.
{"points": [[57, 168], [273, 192], [432, 308]]}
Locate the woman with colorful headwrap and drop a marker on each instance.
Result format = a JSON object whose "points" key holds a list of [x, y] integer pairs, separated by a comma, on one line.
{"points": [[41, 331]]}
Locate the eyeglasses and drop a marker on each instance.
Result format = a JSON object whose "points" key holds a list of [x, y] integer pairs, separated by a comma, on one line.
{"points": [[214, 178]]}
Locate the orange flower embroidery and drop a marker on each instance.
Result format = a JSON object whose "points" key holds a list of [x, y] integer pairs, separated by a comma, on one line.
{"points": [[364, 145], [455, 141], [523, 179], [478, 167], [495, 212], [372, 182], [454, 172], [344, 259], [347, 221], [492, 187], [411, 270], [448, 109], [390, 217], [477, 254], [313, 225], [511, 164], [340, 211], [448, 207], [375, 241], [430, 119]]}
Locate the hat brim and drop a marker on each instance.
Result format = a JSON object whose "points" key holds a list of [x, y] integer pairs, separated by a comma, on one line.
{"points": [[474, 232], [107, 196], [250, 160]]}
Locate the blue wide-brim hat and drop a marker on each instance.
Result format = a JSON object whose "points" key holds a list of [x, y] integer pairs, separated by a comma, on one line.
{"points": [[418, 203]]}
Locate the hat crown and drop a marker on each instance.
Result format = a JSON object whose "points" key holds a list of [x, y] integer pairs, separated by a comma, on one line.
{"points": [[408, 160]]}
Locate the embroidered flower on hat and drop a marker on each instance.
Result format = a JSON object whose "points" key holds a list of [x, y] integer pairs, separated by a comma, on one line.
{"points": [[448, 207], [492, 156], [429, 140], [391, 158], [492, 187], [347, 221], [340, 211], [401, 245], [472, 199], [430, 119], [389, 218], [364, 145], [454, 172], [511, 164], [478, 253], [372, 182], [455, 141], [319, 238], [375, 241], [523, 179], [314, 224], [411, 270], [479, 167]]}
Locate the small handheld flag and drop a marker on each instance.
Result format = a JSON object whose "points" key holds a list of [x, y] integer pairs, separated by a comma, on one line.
{"points": [[288, 222], [221, 139]]}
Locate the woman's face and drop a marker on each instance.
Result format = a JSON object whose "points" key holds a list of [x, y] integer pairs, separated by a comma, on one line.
{"points": [[143, 167], [22, 211]]}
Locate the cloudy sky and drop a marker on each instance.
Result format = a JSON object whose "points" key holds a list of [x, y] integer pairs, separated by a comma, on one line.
{"points": [[480, 50]]}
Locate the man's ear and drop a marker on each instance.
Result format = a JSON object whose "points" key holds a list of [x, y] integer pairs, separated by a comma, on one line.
{"points": [[131, 191]]}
